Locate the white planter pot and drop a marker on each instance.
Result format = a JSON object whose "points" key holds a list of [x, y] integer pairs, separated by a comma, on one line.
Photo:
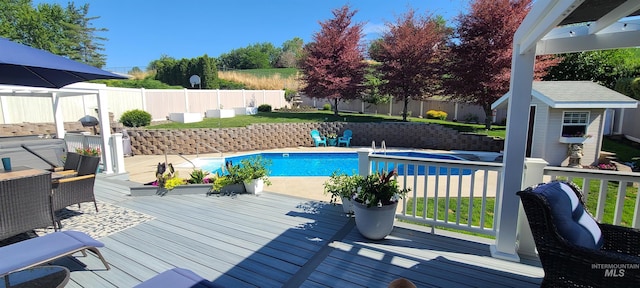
{"points": [[347, 205], [185, 117], [254, 186], [375, 222], [220, 113]]}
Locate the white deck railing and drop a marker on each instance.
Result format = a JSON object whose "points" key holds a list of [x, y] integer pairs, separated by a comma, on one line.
{"points": [[81, 141], [623, 180], [437, 186], [465, 188]]}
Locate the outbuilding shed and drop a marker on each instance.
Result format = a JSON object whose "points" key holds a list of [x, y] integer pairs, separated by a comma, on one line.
{"points": [[566, 120]]}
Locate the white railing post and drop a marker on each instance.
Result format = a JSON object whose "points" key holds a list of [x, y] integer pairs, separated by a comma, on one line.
{"points": [[118, 152], [533, 173], [364, 166]]}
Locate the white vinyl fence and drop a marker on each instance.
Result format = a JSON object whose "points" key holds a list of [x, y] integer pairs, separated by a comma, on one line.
{"points": [[158, 102]]}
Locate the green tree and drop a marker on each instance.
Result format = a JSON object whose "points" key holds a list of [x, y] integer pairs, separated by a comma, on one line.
{"points": [[291, 53], [62, 31], [85, 44], [602, 66], [372, 93], [177, 72], [256, 56], [209, 76]]}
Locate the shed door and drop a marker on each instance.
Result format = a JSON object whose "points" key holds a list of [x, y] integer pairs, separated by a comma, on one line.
{"points": [[532, 118]]}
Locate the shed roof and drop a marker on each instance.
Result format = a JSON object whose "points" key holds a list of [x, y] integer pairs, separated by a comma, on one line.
{"points": [[574, 94]]}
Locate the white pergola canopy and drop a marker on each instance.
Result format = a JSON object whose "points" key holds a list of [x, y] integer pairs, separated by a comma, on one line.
{"points": [[76, 89], [552, 27]]}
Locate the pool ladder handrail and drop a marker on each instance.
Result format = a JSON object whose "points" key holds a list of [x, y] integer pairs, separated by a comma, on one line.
{"points": [[210, 147], [176, 153], [383, 146]]}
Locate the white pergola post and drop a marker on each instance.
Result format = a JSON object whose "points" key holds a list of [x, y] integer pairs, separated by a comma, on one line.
{"points": [[514, 152], [105, 132], [58, 118]]}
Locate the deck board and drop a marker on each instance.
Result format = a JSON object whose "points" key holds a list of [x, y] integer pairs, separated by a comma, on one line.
{"points": [[274, 240]]}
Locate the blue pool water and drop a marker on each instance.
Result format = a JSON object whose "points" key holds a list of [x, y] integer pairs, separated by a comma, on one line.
{"points": [[323, 164]]}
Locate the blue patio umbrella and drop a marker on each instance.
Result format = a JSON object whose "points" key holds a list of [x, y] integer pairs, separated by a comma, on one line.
{"points": [[26, 66]]}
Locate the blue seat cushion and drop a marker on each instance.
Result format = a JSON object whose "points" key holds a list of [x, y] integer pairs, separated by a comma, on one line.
{"points": [[571, 220], [176, 278], [48, 247]]}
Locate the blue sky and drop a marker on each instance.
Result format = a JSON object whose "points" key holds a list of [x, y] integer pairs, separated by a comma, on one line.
{"points": [[142, 31]]}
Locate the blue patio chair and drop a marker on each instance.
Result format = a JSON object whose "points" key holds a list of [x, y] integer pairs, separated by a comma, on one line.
{"points": [[317, 139], [345, 138]]}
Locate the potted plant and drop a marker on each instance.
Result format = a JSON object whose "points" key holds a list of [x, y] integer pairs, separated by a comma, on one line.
{"points": [[332, 139], [254, 173], [344, 187], [375, 204], [229, 181], [168, 180]]}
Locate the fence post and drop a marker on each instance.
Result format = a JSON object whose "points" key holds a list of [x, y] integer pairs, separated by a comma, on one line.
{"points": [[364, 166], [118, 152], [533, 173], [186, 100], [218, 96]]}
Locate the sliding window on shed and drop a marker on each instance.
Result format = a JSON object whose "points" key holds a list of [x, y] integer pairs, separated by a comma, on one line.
{"points": [[574, 124]]}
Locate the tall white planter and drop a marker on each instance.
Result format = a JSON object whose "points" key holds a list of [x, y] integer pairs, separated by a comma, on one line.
{"points": [[254, 186], [375, 222]]}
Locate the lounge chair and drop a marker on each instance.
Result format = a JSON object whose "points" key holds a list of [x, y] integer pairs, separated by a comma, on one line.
{"points": [[574, 249], [317, 139], [176, 278], [345, 138], [40, 250]]}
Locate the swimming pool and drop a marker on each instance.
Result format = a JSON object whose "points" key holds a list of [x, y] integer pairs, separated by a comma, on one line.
{"points": [[323, 164]]}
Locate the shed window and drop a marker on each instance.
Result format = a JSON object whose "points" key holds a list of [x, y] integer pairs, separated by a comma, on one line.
{"points": [[574, 124]]}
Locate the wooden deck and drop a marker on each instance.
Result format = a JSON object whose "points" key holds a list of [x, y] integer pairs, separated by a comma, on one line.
{"points": [[274, 240]]}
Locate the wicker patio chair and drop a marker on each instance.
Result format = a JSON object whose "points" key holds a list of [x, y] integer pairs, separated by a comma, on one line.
{"points": [[25, 204], [566, 264], [78, 189]]}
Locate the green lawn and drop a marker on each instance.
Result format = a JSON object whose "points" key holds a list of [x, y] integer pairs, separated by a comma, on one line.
{"points": [[592, 202], [323, 116], [624, 150]]}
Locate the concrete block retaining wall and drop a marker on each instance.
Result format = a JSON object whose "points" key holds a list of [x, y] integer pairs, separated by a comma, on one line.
{"points": [[279, 135], [284, 135]]}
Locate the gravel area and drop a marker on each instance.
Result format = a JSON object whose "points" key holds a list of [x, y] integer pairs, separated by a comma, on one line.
{"points": [[110, 219]]}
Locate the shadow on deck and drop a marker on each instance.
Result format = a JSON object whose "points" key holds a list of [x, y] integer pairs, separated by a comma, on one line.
{"points": [[274, 240]]}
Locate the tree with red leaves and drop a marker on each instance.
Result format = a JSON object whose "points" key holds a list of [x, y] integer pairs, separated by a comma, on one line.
{"points": [[479, 64], [333, 64], [409, 52]]}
